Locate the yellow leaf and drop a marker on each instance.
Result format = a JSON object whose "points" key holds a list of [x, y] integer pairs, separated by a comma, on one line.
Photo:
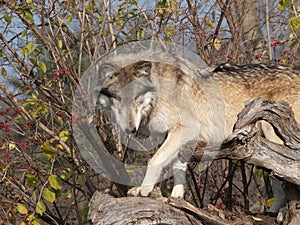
{"points": [[40, 208], [257, 218], [43, 67], [49, 195], [11, 145], [55, 182], [3, 72], [270, 202], [217, 43], [208, 23], [22, 209], [283, 60], [48, 149], [69, 19], [30, 217], [60, 43], [35, 222], [64, 135]]}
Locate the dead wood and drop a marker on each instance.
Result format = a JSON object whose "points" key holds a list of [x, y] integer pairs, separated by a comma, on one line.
{"points": [[105, 209]]}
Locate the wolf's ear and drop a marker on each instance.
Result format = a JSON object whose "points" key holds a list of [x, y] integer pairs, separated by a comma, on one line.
{"points": [[143, 67], [106, 70], [95, 95]]}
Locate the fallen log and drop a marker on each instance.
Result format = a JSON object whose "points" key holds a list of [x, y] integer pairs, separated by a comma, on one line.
{"points": [[105, 209]]}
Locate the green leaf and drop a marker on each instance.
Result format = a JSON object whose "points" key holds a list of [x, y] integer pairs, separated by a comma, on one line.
{"points": [[294, 23], [82, 180], [33, 61], [50, 151], [30, 46], [28, 49], [33, 196], [40, 208], [292, 45], [132, 11], [7, 18], [101, 18], [64, 135], [85, 212], [49, 195], [28, 15], [43, 67], [24, 32], [283, 4], [22, 209], [55, 182], [31, 180], [28, 2], [66, 173]]}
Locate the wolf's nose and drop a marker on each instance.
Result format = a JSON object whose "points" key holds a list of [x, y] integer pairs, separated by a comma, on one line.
{"points": [[130, 131]]}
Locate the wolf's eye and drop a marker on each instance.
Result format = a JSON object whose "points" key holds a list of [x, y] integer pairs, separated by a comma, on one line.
{"points": [[117, 97], [137, 98]]}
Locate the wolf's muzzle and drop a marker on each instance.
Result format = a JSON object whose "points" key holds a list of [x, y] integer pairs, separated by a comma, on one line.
{"points": [[130, 131]]}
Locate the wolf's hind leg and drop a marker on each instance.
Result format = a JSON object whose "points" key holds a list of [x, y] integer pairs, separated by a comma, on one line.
{"points": [[278, 192]]}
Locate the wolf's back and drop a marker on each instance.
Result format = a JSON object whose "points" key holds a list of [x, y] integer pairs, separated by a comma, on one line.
{"points": [[242, 83]]}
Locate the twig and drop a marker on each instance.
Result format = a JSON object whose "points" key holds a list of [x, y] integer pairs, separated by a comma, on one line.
{"points": [[268, 30]]}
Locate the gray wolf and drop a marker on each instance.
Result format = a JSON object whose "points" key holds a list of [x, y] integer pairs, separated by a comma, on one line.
{"points": [[188, 104]]}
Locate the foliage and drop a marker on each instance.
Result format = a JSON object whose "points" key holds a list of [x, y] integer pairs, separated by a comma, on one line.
{"points": [[46, 46]]}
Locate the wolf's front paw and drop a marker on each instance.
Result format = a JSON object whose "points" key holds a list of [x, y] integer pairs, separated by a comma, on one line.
{"points": [[178, 191], [140, 191]]}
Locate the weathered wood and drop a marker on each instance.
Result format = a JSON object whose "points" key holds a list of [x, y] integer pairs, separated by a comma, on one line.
{"points": [[293, 214], [106, 210]]}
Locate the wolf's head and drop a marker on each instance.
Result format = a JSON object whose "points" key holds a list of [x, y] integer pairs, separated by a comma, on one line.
{"points": [[128, 93]]}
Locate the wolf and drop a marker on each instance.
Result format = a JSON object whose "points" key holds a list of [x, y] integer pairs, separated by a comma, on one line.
{"points": [[202, 106]]}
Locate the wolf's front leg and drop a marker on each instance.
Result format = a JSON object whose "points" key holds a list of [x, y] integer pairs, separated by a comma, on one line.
{"points": [[179, 171], [164, 156]]}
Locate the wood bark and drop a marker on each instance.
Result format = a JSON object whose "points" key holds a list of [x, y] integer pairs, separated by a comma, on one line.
{"points": [[107, 210]]}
